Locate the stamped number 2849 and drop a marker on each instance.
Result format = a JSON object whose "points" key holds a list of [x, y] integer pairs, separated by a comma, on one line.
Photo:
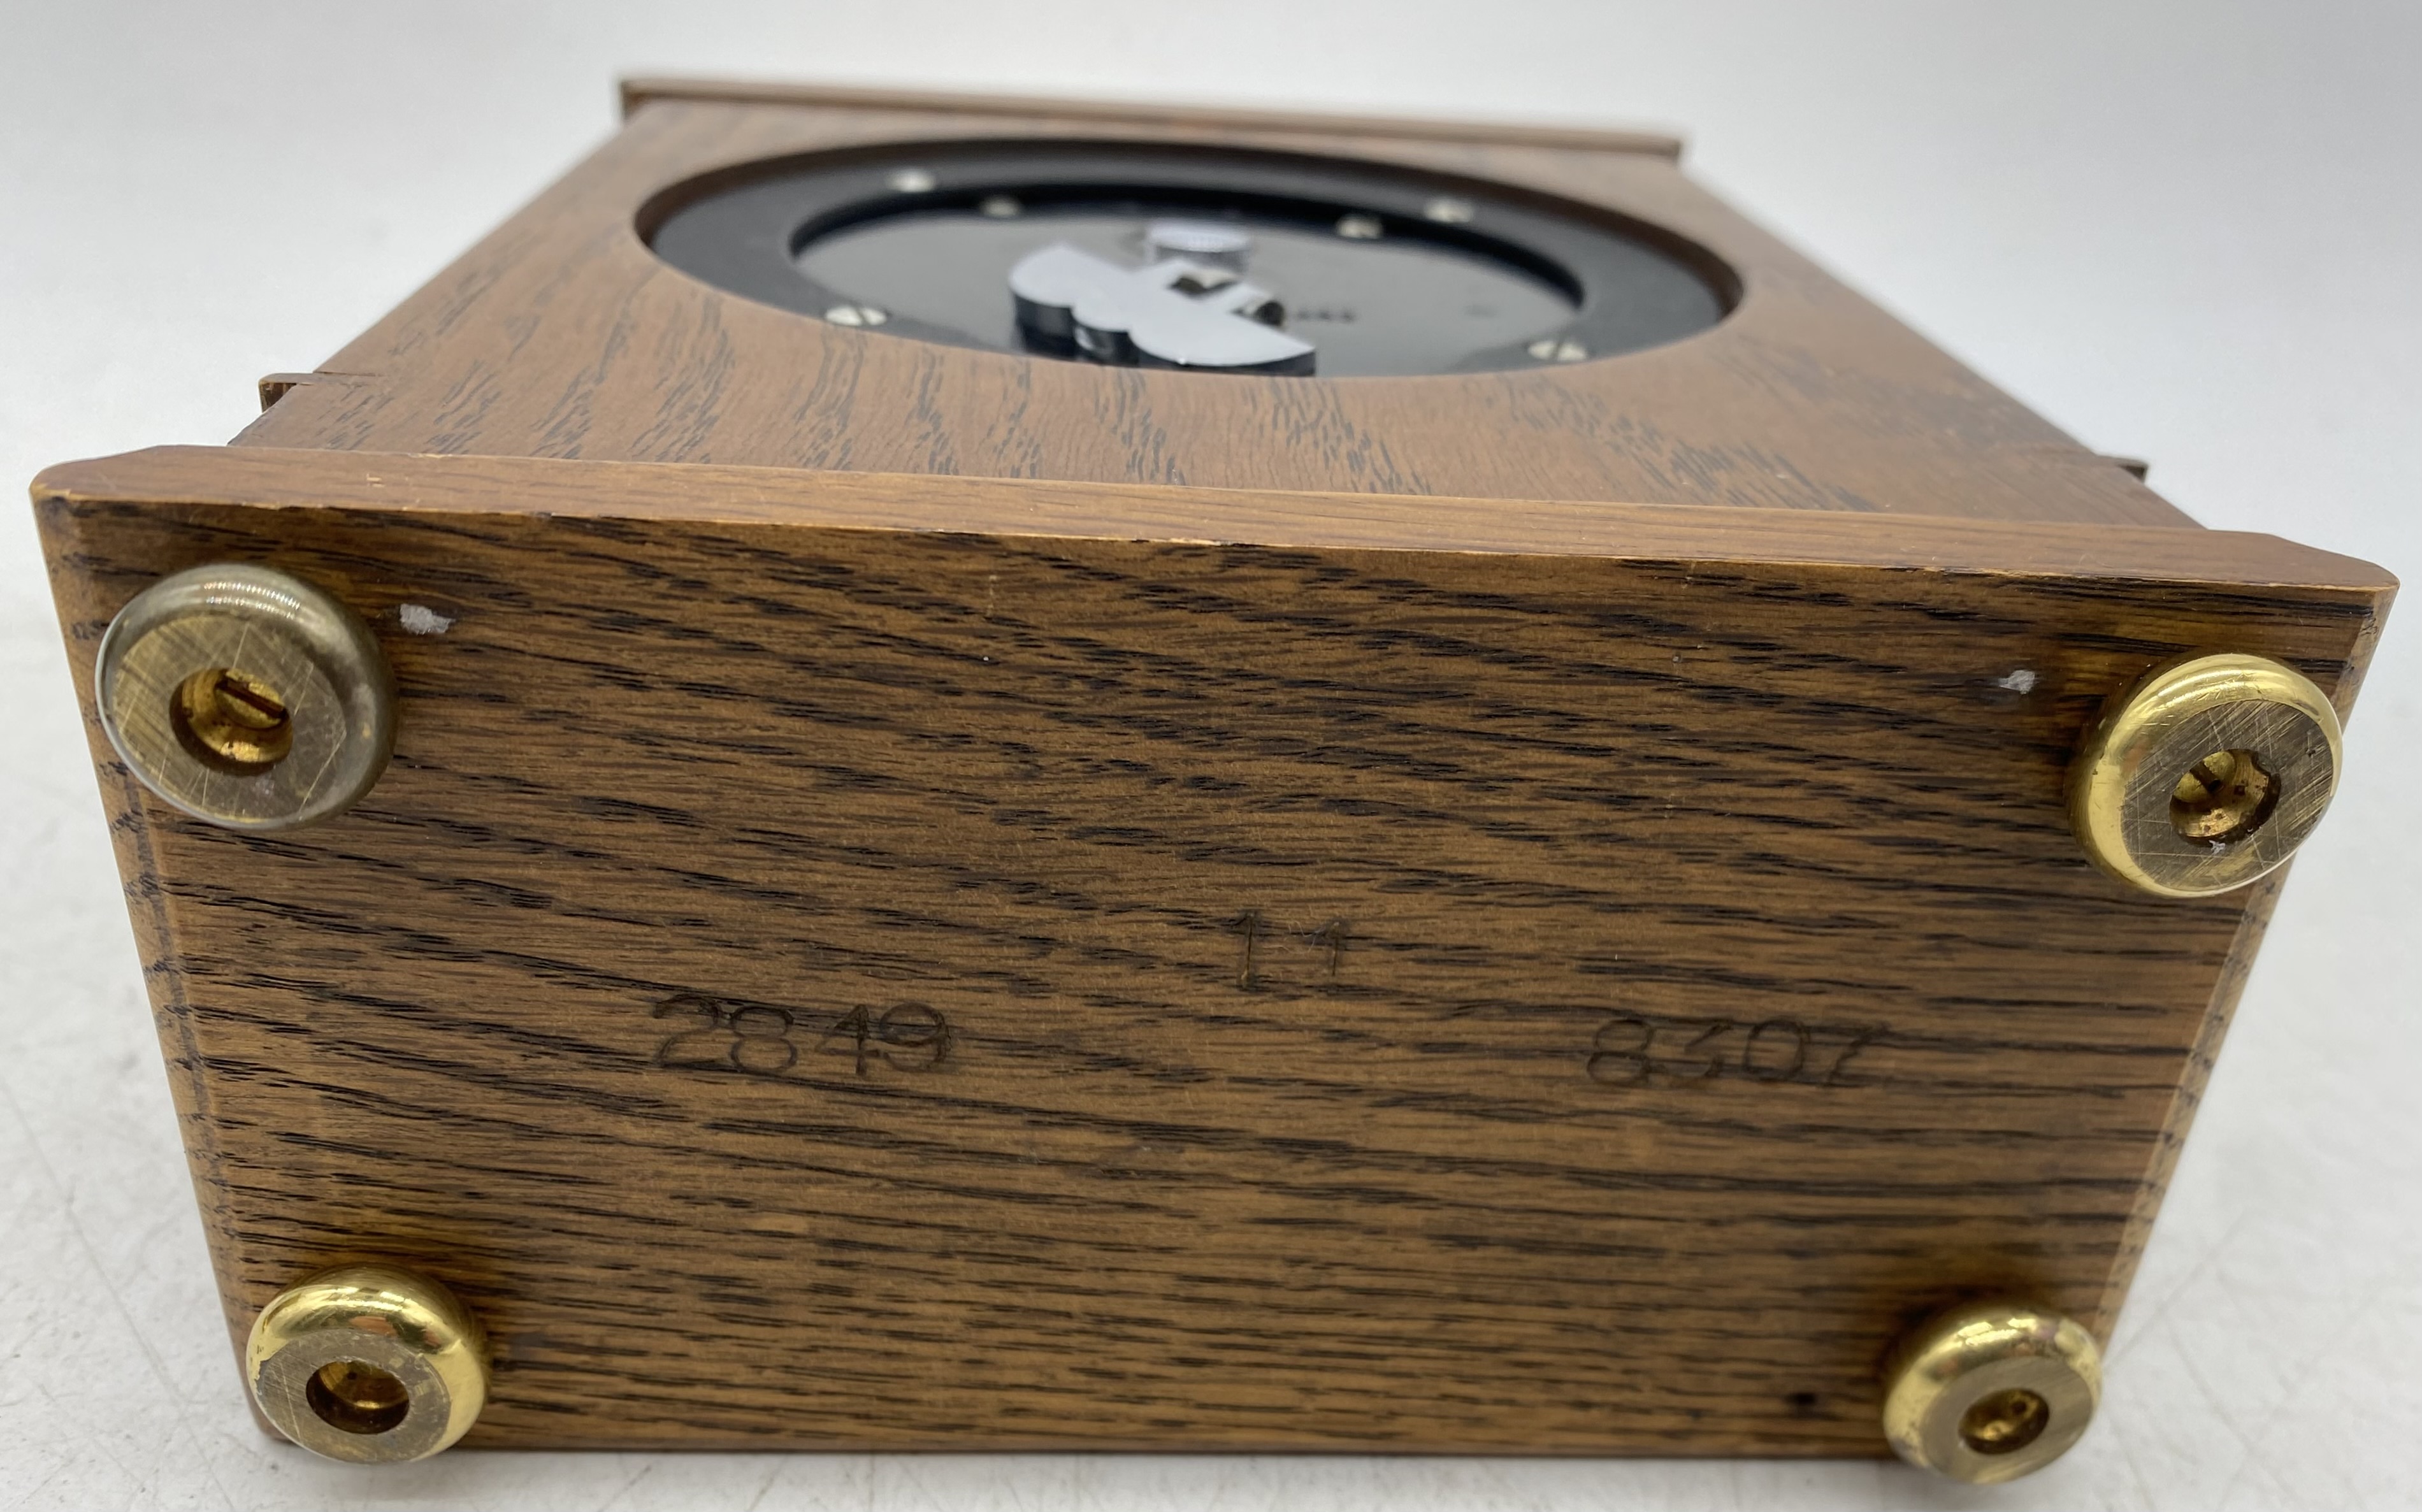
{"points": [[767, 1041]]}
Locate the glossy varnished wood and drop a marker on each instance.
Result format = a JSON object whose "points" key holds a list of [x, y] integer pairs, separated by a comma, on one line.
{"points": [[1293, 875], [563, 336]]}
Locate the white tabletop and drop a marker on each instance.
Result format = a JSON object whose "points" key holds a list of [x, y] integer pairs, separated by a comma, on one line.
{"points": [[2191, 233]]}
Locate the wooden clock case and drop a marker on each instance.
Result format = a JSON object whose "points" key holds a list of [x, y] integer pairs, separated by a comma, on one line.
{"points": [[926, 898]]}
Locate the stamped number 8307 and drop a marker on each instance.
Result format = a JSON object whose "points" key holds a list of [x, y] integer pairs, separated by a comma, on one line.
{"points": [[1629, 1050]]}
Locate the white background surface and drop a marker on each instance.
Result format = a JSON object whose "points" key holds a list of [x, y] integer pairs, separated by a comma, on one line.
{"points": [[2189, 231]]}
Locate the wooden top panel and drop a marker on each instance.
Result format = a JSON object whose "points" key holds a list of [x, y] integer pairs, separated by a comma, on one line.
{"points": [[563, 336], [641, 92]]}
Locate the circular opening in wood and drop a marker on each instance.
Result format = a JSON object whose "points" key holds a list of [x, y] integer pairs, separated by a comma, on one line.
{"points": [[2004, 1422], [354, 1397], [2223, 797], [231, 721], [1143, 255]]}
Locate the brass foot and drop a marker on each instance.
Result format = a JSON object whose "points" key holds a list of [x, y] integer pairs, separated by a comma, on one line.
{"points": [[1991, 1391], [2206, 774], [247, 697], [369, 1364]]}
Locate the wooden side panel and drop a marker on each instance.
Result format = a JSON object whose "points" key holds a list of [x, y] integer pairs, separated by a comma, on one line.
{"points": [[133, 836], [2259, 900], [563, 336], [829, 985]]}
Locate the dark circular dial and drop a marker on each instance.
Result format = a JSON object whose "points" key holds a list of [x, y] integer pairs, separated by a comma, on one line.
{"points": [[1190, 258]]}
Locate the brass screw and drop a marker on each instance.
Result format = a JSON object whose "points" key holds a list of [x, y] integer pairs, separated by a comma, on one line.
{"points": [[1991, 1391], [369, 1364], [2205, 775], [247, 697]]}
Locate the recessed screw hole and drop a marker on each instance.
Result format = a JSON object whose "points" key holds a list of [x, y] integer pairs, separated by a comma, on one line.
{"points": [[2225, 797], [354, 1397], [231, 720], [2006, 1422]]}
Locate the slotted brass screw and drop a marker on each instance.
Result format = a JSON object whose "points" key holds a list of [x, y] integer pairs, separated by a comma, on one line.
{"points": [[247, 697]]}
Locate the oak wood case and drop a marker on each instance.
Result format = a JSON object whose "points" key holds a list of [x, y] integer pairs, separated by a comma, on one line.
{"points": [[930, 899]]}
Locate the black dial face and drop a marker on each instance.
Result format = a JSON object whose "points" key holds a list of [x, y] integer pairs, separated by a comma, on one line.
{"points": [[1201, 260]]}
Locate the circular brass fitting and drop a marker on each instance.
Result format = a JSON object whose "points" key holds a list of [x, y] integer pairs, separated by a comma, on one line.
{"points": [[2206, 775], [247, 697], [368, 1364], [1991, 1391]]}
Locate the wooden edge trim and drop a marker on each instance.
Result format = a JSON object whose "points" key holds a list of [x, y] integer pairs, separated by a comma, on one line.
{"points": [[641, 91], [2185, 1100], [709, 493]]}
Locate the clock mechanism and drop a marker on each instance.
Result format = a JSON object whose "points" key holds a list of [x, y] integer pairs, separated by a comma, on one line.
{"points": [[1208, 262]]}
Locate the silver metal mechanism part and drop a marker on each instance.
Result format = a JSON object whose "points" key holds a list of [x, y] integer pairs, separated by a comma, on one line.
{"points": [[1205, 242], [1175, 313]]}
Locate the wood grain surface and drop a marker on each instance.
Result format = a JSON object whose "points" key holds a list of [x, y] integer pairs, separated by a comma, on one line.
{"points": [[635, 92], [924, 961], [563, 336]]}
